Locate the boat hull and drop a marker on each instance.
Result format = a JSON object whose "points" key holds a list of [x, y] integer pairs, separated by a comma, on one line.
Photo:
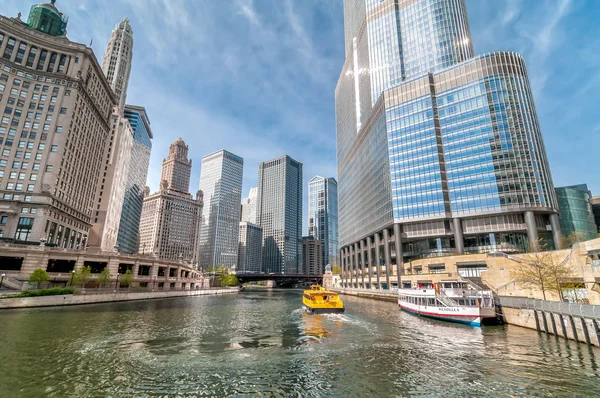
{"points": [[318, 311], [465, 315]]}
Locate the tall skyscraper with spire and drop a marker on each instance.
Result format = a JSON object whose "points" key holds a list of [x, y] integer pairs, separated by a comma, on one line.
{"points": [[110, 192], [116, 64], [439, 150]]}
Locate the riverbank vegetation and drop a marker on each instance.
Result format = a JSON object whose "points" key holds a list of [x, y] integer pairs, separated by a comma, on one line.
{"points": [[56, 291]]}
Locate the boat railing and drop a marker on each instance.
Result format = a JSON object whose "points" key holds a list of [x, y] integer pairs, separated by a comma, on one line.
{"points": [[447, 301]]}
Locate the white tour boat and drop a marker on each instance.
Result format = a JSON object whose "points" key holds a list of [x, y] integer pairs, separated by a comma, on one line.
{"points": [[454, 301]]}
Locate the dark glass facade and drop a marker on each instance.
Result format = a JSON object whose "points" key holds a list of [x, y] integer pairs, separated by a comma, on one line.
{"points": [[576, 214], [128, 235]]}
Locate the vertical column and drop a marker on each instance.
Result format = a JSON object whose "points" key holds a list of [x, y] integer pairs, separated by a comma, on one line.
{"points": [[532, 235], [378, 259], [369, 260], [399, 259], [356, 262], [556, 233], [343, 262], [388, 257], [458, 236], [362, 262], [351, 266]]}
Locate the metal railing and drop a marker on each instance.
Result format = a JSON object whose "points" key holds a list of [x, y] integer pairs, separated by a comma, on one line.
{"points": [[393, 291], [557, 307], [137, 289]]}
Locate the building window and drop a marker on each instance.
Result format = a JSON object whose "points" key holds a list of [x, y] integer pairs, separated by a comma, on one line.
{"points": [[27, 198], [59, 129], [49, 167], [63, 111], [54, 148], [30, 187], [3, 220], [31, 57], [10, 46], [24, 228]]}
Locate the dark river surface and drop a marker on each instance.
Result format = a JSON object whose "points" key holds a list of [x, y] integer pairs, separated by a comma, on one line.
{"points": [[260, 343]]}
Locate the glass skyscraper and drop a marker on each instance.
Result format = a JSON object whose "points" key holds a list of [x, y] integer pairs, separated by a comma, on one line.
{"points": [[129, 226], [221, 182], [279, 214], [323, 217], [439, 151], [577, 220]]}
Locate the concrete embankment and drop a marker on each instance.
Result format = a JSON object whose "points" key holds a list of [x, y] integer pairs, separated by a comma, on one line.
{"points": [[78, 299], [582, 330]]}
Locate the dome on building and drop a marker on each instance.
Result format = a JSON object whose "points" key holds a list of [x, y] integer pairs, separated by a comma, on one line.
{"points": [[46, 18], [179, 142]]}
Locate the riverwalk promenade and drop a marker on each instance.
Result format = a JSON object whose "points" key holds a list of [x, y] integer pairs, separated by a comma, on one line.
{"points": [[92, 296]]}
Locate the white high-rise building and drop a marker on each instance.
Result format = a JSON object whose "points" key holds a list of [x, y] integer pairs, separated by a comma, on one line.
{"points": [[221, 182], [249, 206], [116, 64], [279, 213]]}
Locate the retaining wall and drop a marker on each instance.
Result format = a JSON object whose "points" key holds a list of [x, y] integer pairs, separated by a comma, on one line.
{"points": [[77, 299]]}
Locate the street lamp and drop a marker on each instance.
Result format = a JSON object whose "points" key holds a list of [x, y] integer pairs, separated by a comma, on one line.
{"points": [[2, 280], [72, 275], [117, 281]]}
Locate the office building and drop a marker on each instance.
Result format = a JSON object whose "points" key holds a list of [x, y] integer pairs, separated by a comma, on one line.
{"points": [[221, 182], [576, 218], [249, 206], [171, 218], [110, 192], [117, 60], [137, 174], [279, 213], [439, 150], [250, 248], [56, 120], [312, 256], [323, 217]]}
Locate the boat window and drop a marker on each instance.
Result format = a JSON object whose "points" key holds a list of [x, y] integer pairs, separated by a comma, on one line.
{"points": [[431, 301]]}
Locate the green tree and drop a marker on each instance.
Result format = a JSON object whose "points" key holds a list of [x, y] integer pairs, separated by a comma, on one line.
{"points": [[227, 279], [38, 276], [104, 277], [82, 275], [336, 269], [126, 278]]}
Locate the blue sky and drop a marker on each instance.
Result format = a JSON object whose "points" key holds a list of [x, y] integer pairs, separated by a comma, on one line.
{"points": [[257, 77]]}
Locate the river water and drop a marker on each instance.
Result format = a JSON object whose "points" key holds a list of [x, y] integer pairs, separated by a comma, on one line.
{"points": [[260, 343]]}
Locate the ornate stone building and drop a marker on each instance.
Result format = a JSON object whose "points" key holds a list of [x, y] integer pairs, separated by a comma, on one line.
{"points": [[56, 113], [171, 218]]}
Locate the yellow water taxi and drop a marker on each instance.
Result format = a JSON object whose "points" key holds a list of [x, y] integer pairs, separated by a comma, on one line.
{"points": [[319, 300]]}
